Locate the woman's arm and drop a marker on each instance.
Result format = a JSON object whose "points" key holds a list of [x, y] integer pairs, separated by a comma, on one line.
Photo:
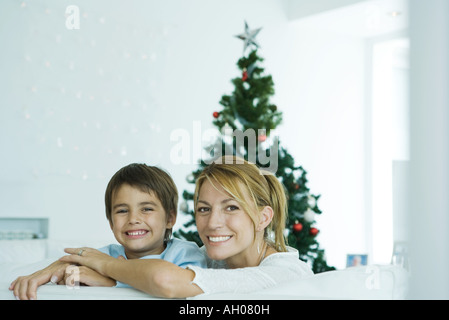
{"points": [[153, 276], [275, 269], [86, 276]]}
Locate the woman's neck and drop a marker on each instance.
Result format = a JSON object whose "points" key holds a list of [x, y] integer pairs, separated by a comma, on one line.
{"points": [[251, 257]]}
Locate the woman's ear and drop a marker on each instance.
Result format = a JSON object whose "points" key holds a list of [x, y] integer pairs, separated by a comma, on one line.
{"points": [[266, 217]]}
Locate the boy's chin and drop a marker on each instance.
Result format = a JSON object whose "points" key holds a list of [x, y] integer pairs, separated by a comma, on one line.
{"points": [[143, 249]]}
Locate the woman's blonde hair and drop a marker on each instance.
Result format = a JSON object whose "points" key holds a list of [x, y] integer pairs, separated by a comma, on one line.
{"points": [[262, 186]]}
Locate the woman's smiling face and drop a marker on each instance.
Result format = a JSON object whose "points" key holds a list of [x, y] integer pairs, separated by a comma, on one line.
{"points": [[224, 227]]}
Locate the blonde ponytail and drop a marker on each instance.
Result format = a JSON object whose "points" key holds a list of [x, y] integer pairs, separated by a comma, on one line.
{"points": [[278, 202]]}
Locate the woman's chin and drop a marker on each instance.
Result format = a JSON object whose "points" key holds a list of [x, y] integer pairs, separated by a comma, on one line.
{"points": [[215, 254]]}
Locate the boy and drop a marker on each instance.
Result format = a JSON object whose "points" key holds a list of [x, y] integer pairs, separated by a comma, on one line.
{"points": [[141, 206]]}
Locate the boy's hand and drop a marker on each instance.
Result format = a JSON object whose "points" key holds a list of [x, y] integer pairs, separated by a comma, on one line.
{"points": [[75, 275], [25, 287], [88, 257]]}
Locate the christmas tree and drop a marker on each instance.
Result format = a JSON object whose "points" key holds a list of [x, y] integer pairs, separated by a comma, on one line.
{"points": [[246, 110]]}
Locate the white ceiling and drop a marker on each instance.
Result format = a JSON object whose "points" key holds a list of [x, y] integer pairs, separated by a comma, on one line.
{"points": [[296, 9], [362, 18]]}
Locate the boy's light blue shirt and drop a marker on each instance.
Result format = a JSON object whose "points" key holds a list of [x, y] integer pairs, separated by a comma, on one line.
{"points": [[180, 252]]}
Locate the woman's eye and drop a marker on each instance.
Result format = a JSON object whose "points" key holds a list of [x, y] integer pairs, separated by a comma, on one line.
{"points": [[202, 210], [232, 208]]}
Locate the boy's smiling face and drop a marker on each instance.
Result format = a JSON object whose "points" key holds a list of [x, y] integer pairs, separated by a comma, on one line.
{"points": [[139, 221]]}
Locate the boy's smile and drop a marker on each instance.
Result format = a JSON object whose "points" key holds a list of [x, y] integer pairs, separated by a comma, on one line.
{"points": [[139, 221], [136, 234]]}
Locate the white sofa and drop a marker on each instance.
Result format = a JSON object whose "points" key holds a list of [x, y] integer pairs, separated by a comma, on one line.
{"points": [[22, 257]]}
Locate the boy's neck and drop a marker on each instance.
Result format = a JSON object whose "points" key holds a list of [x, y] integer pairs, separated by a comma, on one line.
{"points": [[133, 254]]}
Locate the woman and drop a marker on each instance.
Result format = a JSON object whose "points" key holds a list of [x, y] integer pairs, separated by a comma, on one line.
{"points": [[240, 213]]}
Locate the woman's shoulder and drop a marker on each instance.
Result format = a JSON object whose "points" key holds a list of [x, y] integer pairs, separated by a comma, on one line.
{"points": [[289, 254], [289, 259]]}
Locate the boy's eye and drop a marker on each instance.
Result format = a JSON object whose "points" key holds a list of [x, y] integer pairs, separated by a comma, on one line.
{"points": [[121, 211], [147, 209]]}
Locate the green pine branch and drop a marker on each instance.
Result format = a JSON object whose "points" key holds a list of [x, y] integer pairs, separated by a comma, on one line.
{"points": [[249, 107]]}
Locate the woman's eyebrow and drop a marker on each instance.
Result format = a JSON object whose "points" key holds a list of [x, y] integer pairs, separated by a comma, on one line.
{"points": [[204, 201], [223, 201]]}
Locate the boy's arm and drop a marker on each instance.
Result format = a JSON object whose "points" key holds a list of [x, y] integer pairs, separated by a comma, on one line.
{"points": [[156, 277], [153, 276], [25, 287]]}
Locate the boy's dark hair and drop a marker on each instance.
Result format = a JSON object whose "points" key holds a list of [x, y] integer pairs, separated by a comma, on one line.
{"points": [[147, 179]]}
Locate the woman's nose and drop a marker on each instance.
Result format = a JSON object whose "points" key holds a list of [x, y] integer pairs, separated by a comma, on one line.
{"points": [[215, 220]]}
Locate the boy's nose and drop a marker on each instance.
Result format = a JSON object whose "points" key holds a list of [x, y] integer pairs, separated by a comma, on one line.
{"points": [[134, 218]]}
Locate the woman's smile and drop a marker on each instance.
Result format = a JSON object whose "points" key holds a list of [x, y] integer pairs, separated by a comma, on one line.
{"points": [[216, 240]]}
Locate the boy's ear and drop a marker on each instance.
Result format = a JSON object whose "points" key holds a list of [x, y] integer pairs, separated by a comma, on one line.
{"points": [[266, 217], [171, 219], [110, 223]]}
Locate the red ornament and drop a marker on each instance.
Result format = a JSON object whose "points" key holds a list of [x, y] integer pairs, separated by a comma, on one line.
{"points": [[297, 227], [216, 114], [244, 75], [262, 138], [314, 231]]}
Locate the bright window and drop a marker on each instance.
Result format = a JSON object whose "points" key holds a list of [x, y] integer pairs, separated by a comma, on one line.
{"points": [[390, 140]]}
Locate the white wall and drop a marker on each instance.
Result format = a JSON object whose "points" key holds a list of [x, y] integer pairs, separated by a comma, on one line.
{"points": [[322, 93], [326, 91], [429, 149], [76, 105]]}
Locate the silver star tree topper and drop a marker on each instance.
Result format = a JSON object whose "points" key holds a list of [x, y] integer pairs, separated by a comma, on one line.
{"points": [[249, 37]]}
